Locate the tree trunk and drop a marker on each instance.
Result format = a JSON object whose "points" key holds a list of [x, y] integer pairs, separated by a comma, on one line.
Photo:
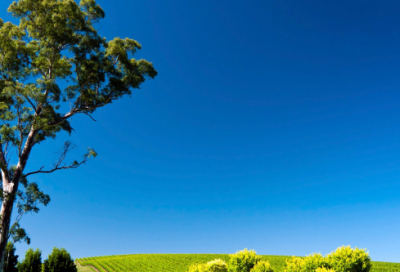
{"points": [[10, 188], [6, 211]]}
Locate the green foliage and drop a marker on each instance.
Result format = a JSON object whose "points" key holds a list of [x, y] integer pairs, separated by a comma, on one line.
{"points": [[385, 267], [153, 262], [182, 262], [217, 265], [308, 264], [11, 260], [262, 266], [324, 269], [346, 259], [198, 267], [27, 200], [59, 261], [55, 43], [243, 261], [295, 264], [32, 261]]}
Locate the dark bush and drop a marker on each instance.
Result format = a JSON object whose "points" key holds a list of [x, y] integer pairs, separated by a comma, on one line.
{"points": [[59, 261], [11, 260], [32, 261]]}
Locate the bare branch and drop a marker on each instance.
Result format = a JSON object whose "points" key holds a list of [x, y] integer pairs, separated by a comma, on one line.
{"points": [[20, 132], [90, 116], [116, 60], [19, 216], [3, 165], [30, 102], [2, 156], [72, 166], [75, 111], [58, 165], [6, 151]]}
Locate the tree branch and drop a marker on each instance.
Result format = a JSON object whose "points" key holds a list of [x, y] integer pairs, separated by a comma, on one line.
{"points": [[90, 116], [58, 165], [30, 102], [5, 178], [2, 157]]}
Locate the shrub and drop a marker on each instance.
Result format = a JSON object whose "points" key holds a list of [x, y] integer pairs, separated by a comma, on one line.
{"points": [[32, 261], [11, 260], [262, 266], [198, 268], [59, 261], [308, 264], [295, 264], [324, 269], [314, 261], [217, 265], [346, 259], [243, 261]]}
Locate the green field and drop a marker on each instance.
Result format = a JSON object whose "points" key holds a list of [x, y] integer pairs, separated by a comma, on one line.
{"points": [[181, 262]]}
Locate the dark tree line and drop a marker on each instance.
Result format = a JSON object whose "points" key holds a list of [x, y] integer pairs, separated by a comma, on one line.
{"points": [[58, 261]]}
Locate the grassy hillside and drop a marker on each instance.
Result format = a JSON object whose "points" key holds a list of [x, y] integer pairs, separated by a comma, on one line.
{"points": [[181, 262]]}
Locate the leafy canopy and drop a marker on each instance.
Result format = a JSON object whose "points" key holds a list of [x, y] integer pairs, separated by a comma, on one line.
{"points": [[32, 261], [59, 260], [243, 261], [54, 65], [264, 266], [56, 43], [343, 259]]}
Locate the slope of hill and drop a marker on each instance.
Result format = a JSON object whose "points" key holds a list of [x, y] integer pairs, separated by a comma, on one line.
{"points": [[181, 262]]}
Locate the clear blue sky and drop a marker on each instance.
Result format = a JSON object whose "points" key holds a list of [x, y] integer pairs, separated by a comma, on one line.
{"points": [[273, 125]]}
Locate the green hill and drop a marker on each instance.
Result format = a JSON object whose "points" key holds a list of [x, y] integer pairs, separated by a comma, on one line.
{"points": [[181, 262]]}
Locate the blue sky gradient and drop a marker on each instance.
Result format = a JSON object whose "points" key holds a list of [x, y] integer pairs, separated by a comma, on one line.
{"points": [[272, 125]]}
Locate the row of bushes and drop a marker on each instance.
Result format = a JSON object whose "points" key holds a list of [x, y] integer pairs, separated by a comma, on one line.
{"points": [[242, 261], [58, 261], [344, 259]]}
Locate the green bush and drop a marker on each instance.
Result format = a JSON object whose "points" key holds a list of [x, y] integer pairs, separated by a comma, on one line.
{"points": [[262, 266], [346, 259], [217, 265], [324, 269], [243, 261], [295, 264], [59, 261], [32, 261], [198, 268], [10, 260], [307, 264]]}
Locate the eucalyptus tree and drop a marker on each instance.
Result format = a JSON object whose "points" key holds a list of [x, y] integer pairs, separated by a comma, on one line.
{"points": [[53, 65]]}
